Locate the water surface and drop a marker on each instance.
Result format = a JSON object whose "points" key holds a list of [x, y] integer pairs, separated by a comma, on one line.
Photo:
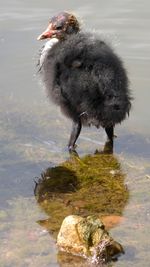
{"points": [[33, 132]]}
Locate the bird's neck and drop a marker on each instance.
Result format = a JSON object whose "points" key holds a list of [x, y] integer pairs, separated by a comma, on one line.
{"points": [[49, 44], [47, 47]]}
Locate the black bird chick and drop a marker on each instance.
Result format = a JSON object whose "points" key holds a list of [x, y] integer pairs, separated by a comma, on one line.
{"points": [[84, 76]]}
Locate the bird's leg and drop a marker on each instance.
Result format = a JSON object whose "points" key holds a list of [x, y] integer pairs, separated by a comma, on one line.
{"points": [[108, 147], [76, 129], [110, 133]]}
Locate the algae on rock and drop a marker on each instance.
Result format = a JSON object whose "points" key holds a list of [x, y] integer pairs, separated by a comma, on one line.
{"points": [[87, 237], [92, 185]]}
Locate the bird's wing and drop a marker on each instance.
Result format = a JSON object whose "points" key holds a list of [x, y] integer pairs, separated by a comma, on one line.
{"points": [[83, 71]]}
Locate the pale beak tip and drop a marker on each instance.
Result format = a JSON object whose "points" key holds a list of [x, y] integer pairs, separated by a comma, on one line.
{"points": [[39, 38]]}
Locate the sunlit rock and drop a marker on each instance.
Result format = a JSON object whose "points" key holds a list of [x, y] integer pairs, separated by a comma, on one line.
{"points": [[87, 237]]}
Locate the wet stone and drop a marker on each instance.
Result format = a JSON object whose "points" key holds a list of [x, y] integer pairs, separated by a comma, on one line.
{"points": [[87, 237]]}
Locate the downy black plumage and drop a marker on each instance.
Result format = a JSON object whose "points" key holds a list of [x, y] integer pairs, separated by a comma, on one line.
{"points": [[84, 76]]}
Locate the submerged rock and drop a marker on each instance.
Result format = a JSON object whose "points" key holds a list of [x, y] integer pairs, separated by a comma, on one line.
{"points": [[87, 237]]}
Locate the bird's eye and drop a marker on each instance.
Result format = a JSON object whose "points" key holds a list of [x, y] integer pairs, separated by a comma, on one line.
{"points": [[58, 28]]}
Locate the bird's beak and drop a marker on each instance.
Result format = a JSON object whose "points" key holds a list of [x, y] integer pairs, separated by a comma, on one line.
{"points": [[48, 33]]}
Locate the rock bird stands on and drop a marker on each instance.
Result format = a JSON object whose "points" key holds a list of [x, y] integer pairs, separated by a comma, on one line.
{"points": [[84, 76]]}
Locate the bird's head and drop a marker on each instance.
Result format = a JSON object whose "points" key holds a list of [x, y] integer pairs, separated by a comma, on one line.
{"points": [[60, 26]]}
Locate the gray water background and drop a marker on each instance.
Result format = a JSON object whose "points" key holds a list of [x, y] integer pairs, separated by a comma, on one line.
{"points": [[33, 132]]}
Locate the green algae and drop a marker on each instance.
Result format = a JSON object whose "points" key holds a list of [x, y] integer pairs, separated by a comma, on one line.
{"points": [[92, 185]]}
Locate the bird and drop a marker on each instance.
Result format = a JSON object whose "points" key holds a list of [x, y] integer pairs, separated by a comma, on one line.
{"points": [[83, 76]]}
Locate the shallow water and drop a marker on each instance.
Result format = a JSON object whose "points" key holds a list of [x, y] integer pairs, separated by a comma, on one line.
{"points": [[33, 132]]}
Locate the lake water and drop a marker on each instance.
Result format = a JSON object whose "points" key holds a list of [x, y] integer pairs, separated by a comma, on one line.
{"points": [[34, 133]]}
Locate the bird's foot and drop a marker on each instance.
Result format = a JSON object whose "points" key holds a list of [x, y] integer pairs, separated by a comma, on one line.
{"points": [[72, 150]]}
